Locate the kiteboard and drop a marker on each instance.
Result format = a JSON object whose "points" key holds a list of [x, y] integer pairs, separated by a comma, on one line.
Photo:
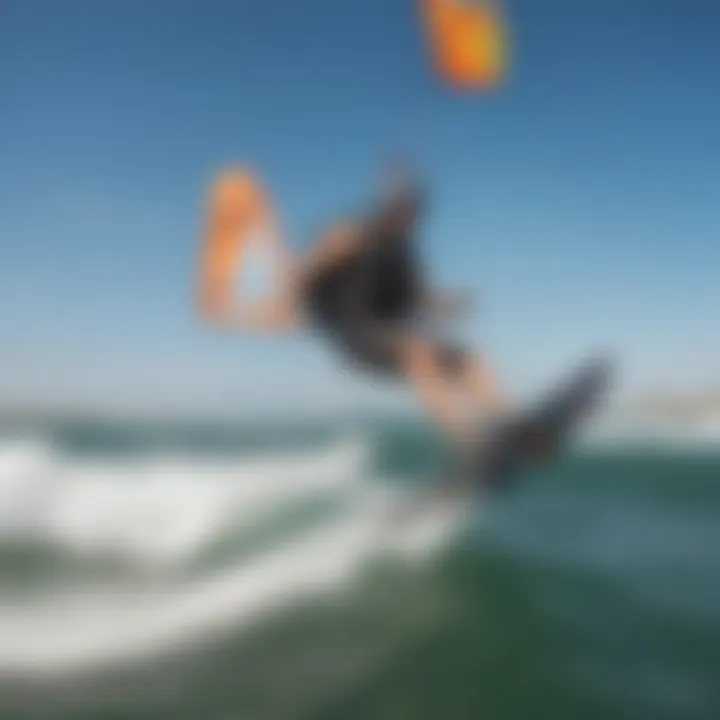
{"points": [[504, 457], [541, 435]]}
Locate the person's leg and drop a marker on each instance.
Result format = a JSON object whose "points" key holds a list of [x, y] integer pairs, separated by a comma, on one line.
{"points": [[473, 377], [452, 385], [423, 366]]}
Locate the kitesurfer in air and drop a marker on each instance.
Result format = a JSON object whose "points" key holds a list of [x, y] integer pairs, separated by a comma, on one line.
{"points": [[363, 287]]}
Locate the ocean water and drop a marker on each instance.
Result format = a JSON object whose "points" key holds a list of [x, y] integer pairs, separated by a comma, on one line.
{"points": [[217, 571]]}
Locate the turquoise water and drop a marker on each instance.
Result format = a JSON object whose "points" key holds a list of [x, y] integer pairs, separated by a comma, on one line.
{"points": [[592, 592]]}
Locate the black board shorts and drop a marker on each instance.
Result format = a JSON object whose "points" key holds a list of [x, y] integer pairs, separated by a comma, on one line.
{"points": [[372, 345], [367, 308]]}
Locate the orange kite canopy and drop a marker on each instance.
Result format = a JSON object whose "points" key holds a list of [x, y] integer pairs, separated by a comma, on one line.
{"points": [[238, 213], [467, 40]]}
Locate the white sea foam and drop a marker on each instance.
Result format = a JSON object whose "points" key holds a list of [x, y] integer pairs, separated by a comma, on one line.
{"points": [[158, 511], [164, 511]]}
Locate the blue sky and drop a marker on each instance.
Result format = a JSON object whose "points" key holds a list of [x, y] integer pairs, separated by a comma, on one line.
{"points": [[579, 201]]}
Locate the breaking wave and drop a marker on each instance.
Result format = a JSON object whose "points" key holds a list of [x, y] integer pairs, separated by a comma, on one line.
{"points": [[161, 515]]}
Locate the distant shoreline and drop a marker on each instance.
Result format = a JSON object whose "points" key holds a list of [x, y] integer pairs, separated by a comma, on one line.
{"points": [[697, 407]]}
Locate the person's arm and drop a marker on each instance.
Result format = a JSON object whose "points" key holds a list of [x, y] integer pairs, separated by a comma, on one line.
{"points": [[335, 246], [278, 314], [444, 304], [282, 312]]}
